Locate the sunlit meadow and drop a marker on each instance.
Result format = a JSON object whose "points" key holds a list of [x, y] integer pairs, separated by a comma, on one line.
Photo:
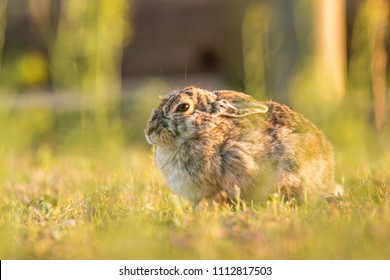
{"points": [[79, 197], [78, 180]]}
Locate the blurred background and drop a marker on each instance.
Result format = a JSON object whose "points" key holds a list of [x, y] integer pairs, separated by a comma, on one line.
{"points": [[78, 80], [85, 74]]}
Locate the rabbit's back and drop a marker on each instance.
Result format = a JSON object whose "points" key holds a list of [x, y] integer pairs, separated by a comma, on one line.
{"points": [[303, 158]]}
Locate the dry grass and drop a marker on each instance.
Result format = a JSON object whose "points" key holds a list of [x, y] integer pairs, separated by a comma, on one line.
{"points": [[115, 205]]}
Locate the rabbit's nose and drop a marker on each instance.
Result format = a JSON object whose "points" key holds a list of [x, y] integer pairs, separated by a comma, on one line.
{"points": [[149, 129], [149, 132]]}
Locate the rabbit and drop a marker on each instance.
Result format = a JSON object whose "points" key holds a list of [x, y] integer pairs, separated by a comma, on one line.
{"points": [[224, 145]]}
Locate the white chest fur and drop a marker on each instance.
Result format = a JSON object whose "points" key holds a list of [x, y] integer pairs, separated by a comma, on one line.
{"points": [[177, 177]]}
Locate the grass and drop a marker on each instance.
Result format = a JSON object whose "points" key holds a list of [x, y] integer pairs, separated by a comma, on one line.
{"points": [[57, 205]]}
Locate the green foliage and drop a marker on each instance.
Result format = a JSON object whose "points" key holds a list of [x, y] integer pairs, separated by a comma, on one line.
{"points": [[87, 54], [24, 129], [255, 28], [23, 70]]}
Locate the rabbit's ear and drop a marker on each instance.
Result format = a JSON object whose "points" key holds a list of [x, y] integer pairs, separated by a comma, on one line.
{"points": [[237, 105], [228, 109]]}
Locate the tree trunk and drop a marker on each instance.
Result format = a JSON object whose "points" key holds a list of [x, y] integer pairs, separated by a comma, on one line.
{"points": [[379, 24], [331, 45]]}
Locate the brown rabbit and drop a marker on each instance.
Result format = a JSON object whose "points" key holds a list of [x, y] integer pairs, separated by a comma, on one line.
{"points": [[222, 145]]}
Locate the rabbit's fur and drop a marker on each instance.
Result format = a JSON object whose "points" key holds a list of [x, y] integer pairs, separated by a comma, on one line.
{"points": [[222, 145]]}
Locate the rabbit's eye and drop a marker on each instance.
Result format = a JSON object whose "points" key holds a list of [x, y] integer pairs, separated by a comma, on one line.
{"points": [[182, 107]]}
